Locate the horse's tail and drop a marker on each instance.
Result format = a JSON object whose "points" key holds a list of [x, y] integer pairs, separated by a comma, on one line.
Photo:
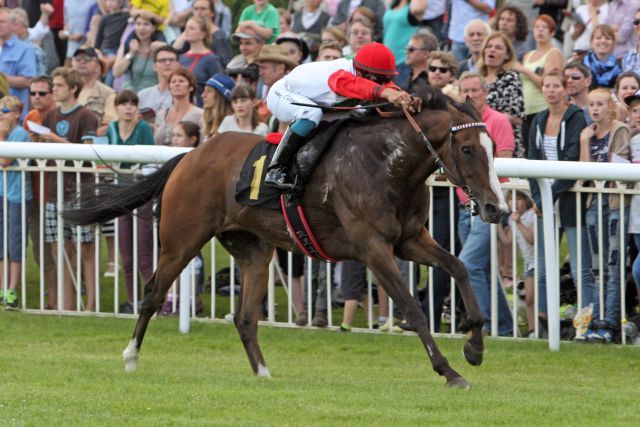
{"points": [[99, 203]]}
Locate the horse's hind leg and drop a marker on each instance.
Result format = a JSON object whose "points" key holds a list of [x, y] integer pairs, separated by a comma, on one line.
{"points": [[253, 256], [425, 250], [381, 260]]}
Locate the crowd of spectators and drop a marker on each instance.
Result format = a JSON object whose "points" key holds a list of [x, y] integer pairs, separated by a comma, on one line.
{"points": [[553, 80]]}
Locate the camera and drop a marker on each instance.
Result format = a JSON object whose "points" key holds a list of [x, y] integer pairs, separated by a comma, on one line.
{"points": [[249, 72]]}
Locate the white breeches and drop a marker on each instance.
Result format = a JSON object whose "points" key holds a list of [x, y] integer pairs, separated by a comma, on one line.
{"points": [[279, 101]]}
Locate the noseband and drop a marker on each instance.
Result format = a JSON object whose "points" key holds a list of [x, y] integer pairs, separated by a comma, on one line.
{"points": [[439, 163]]}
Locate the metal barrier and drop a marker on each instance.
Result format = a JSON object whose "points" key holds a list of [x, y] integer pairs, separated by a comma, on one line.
{"points": [[32, 300]]}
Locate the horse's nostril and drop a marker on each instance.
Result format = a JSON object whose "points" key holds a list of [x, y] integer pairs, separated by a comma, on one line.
{"points": [[491, 209]]}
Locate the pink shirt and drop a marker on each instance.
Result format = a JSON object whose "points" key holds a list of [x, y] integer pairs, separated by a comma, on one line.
{"points": [[501, 132]]}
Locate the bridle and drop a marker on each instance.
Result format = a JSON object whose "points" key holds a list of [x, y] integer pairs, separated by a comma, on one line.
{"points": [[455, 180]]}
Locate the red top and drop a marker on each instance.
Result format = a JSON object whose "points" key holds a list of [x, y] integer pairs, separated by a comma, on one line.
{"points": [[56, 21], [345, 84]]}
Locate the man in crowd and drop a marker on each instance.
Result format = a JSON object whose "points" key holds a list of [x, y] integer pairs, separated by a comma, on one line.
{"points": [[157, 97], [513, 22], [17, 60], [414, 69], [475, 254], [578, 78], [95, 95], [69, 123], [475, 32], [250, 45], [41, 102]]}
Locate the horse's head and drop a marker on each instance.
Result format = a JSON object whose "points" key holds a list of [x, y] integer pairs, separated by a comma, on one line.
{"points": [[470, 160]]}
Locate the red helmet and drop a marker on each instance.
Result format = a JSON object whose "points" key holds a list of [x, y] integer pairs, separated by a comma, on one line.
{"points": [[375, 58]]}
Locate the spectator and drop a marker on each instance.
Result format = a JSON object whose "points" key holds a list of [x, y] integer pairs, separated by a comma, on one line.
{"points": [[17, 60], [41, 102], [588, 16], [442, 71], [601, 61], [10, 131], [544, 59], [634, 112], [134, 57], [285, 20], [95, 95], [223, 17], [578, 81], [250, 46], [295, 46], [156, 11], [400, 22], [199, 59], [262, 18], [463, 11], [75, 21], [249, 75], [513, 22], [180, 11], [69, 123], [334, 35], [359, 33], [20, 22], [554, 135], [633, 103], [110, 30], [620, 17], [309, 22], [631, 60], [182, 85], [414, 68], [346, 8], [433, 19], [158, 97], [245, 114], [128, 129], [4, 85], [627, 84], [607, 140], [475, 33], [505, 87], [329, 51], [474, 252], [217, 103]]}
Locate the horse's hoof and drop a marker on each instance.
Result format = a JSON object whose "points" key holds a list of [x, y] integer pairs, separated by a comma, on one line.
{"points": [[263, 371], [459, 382], [473, 356], [130, 355]]}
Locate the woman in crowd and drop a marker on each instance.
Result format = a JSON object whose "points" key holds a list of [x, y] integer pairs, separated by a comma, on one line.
{"points": [[216, 100], [135, 57], [11, 131], [496, 65], [589, 16], [544, 59], [606, 140], [399, 23], [130, 130], [294, 45], [245, 115], [309, 22], [554, 135], [359, 33], [199, 59], [603, 64], [333, 35], [627, 84], [182, 85], [631, 61]]}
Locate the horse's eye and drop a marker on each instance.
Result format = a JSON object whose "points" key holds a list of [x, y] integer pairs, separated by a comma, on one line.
{"points": [[466, 150]]}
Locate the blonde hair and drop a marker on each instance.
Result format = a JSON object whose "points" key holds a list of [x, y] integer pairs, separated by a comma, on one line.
{"points": [[11, 102], [613, 107], [509, 57], [205, 27], [213, 116]]}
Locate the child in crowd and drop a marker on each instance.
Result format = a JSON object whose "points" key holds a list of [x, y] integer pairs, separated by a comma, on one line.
{"points": [[524, 218], [11, 131], [245, 114], [185, 134]]}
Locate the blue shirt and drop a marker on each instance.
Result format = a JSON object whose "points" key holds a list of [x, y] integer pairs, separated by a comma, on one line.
{"points": [[18, 58], [14, 179]]}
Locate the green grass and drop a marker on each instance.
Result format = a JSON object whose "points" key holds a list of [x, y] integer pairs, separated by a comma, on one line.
{"points": [[68, 370]]}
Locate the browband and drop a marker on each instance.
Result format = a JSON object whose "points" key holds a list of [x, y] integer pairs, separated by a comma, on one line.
{"points": [[467, 126]]}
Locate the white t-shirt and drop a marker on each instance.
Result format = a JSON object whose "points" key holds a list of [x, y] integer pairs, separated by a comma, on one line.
{"points": [[634, 210], [526, 248], [229, 124]]}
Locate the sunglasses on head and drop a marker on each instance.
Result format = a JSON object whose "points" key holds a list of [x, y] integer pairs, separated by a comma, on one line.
{"points": [[636, 22], [433, 69], [38, 92], [6, 110]]}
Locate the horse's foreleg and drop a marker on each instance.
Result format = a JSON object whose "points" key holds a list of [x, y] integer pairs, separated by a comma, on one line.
{"points": [[424, 250], [253, 256], [380, 259]]}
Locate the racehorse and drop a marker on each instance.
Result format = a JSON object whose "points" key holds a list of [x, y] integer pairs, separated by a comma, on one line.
{"points": [[366, 200]]}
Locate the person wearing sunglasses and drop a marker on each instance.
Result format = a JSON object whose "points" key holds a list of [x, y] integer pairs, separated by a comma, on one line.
{"points": [[10, 131], [631, 61], [578, 78], [413, 70]]}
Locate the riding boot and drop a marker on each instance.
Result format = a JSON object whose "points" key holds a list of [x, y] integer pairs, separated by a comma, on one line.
{"points": [[277, 171]]}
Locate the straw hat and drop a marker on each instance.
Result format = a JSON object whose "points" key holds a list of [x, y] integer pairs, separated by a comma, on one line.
{"points": [[278, 54]]}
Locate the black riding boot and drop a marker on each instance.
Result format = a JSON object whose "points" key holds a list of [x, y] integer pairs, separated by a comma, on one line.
{"points": [[277, 171]]}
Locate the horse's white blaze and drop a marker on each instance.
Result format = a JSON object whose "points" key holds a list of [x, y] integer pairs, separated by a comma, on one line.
{"points": [[487, 144], [263, 371], [130, 355]]}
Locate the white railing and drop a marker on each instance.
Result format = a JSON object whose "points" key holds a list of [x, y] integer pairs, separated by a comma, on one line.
{"points": [[514, 168]]}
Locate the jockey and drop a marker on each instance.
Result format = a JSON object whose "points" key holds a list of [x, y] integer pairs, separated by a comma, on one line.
{"points": [[366, 77]]}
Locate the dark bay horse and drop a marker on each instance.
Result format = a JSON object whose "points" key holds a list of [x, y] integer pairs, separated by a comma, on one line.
{"points": [[366, 200]]}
